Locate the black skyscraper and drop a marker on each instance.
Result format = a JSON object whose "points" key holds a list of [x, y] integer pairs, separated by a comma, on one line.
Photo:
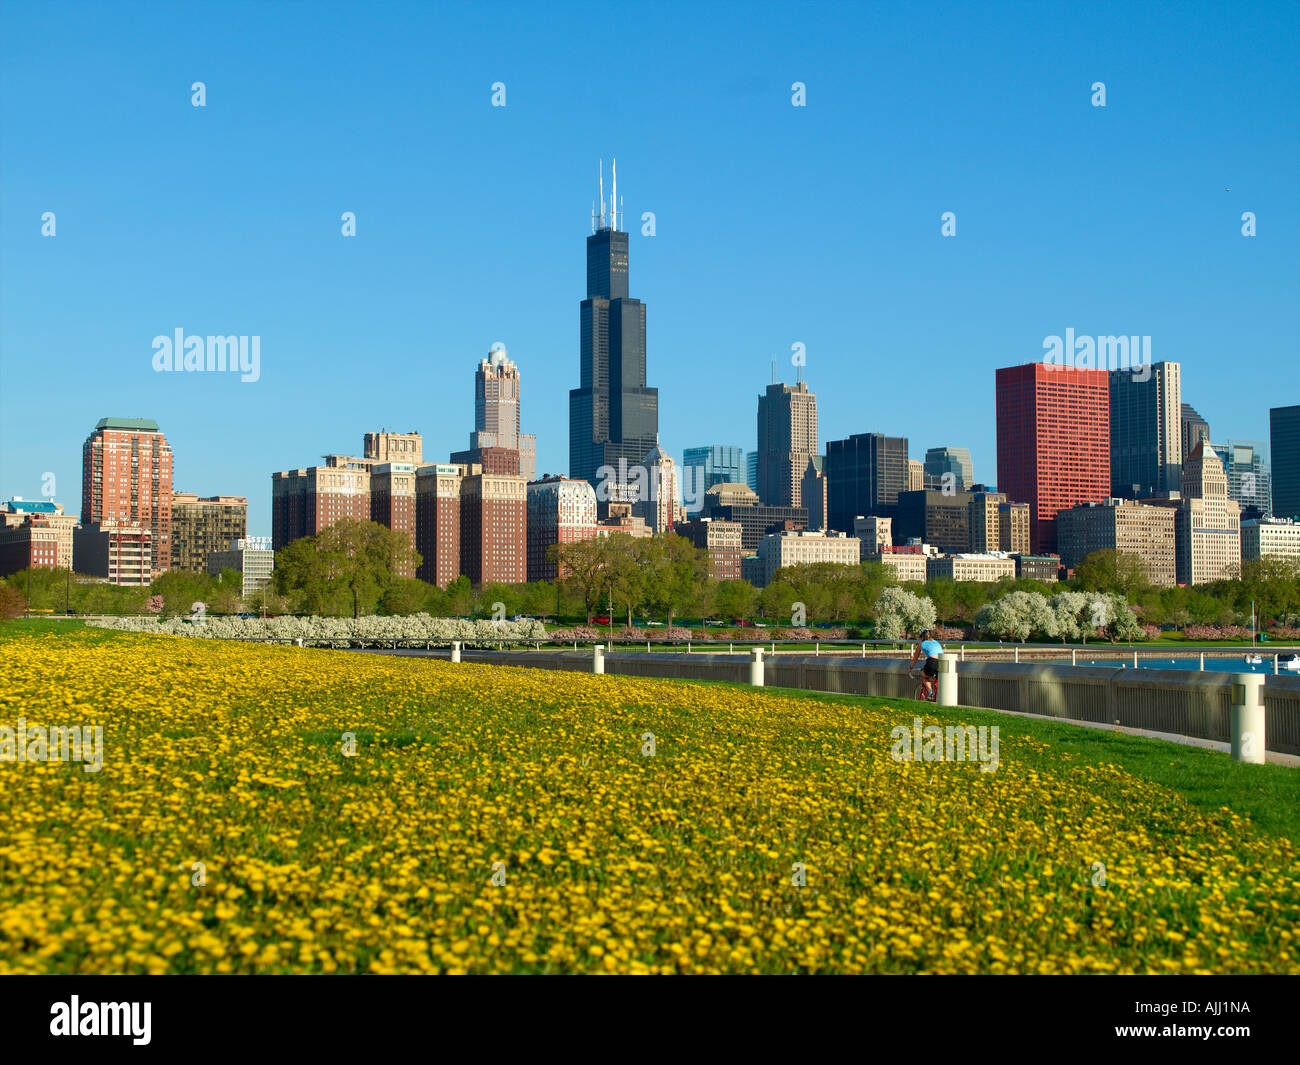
{"points": [[612, 415]]}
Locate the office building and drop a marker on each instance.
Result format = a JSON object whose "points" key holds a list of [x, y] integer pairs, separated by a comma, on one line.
{"points": [[613, 416], [203, 525], [801, 548], [116, 551], [1207, 523], [1276, 537], [1045, 568], [983, 569], [703, 467], [813, 492], [126, 479], [738, 503], [384, 446], [934, 517], [906, 562], [496, 443], [1146, 442], [721, 540], [915, 475], [1193, 428], [1284, 449], [948, 468], [35, 534], [864, 475], [560, 511], [657, 498], [985, 524], [1129, 527], [1053, 426], [875, 533], [251, 556], [1245, 462], [787, 439], [1013, 528], [751, 471]]}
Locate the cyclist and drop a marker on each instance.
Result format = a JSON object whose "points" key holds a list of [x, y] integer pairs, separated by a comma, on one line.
{"points": [[932, 651]]}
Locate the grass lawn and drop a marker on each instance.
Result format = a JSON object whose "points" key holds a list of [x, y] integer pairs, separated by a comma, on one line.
{"points": [[279, 809]]}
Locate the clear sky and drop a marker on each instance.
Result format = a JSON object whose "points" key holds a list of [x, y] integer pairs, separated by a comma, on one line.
{"points": [[775, 224]]}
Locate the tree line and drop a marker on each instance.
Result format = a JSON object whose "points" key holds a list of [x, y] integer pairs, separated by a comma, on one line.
{"points": [[353, 568]]}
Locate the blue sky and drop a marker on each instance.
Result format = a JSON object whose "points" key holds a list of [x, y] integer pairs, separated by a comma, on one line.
{"points": [[775, 225]]}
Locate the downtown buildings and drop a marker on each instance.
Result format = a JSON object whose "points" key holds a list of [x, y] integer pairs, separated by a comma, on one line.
{"points": [[613, 416], [1053, 432]]}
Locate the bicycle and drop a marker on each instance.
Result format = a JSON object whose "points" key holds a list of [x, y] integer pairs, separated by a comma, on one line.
{"points": [[924, 693]]}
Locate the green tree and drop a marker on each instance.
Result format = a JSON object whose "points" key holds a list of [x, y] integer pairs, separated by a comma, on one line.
{"points": [[583, 571], [1109, 570], [735, 599]]}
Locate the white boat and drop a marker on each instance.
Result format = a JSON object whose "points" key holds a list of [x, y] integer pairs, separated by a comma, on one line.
{"points": [[1291, 662], [1253, 660]]}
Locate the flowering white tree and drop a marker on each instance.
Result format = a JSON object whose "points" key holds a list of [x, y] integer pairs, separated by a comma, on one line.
{"points": [[899, 612]]}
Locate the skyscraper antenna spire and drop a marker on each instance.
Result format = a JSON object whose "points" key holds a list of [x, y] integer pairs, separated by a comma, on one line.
{"points": [[613, 197], [602, 194], [773, 369]]}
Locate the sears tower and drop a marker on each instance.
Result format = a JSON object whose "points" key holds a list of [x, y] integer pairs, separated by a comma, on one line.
{"points": [[613, 417]]}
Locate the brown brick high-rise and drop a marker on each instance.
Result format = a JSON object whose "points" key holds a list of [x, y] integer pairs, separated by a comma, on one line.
{"points": [[126, 476]]}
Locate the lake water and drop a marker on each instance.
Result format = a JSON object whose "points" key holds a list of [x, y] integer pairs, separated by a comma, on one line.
{"points": [[1218, 665]]}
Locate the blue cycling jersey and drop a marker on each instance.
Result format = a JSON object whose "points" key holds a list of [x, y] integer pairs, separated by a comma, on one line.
{"points": [[931, 648]]}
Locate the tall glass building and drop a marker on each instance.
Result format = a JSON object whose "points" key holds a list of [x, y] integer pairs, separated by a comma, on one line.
{"points": [[613, 416], [949, 460], [1246, 464], [1284, 446], [703, 467], [1146, 430]]}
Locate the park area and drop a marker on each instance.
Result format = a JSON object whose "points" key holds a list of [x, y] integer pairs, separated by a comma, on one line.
{"points": [[281, 809]]}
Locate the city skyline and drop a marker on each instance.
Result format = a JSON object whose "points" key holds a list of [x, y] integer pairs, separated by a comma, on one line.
{"points": [[738, 180]]}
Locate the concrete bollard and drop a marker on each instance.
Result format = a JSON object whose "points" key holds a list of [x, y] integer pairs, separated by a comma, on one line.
{"points": [[1017, 655], [598, 659], [298, 641], [864, 650], [1135, 660], [756, 667], [731, 648], [817, 648], [455, 650], [946, 693], [963, 652], [1202, 661], [1247, 718], [1074, 658]]}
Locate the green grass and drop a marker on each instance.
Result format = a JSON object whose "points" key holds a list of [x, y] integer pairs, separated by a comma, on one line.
{"points": [[1270, 794], [1209, 779], [48, 626]]}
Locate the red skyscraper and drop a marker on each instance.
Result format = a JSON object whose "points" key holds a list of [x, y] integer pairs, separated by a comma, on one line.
{"points": [[1053, 442]]}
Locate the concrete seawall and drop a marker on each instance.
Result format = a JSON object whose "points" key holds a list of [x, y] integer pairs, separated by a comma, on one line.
{"points": [[1185, 702]]}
